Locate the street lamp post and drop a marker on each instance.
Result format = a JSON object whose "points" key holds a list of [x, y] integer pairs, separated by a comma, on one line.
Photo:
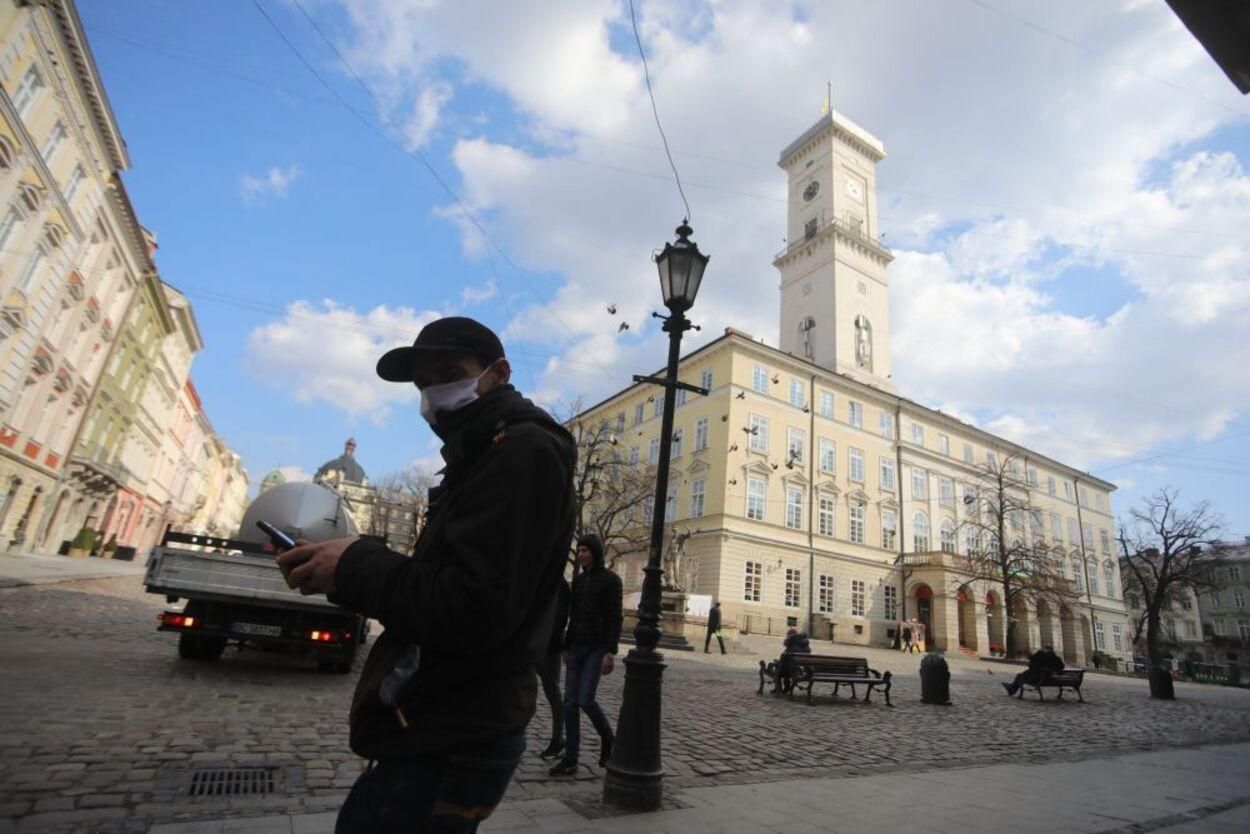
{"points": [[635, 772]]}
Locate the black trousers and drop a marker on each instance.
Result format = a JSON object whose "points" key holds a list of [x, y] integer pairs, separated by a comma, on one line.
{"points": [[549, 673], [708, 641]]}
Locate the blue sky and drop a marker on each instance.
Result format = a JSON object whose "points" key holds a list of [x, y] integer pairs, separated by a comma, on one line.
{"points": [[1071, 271]]}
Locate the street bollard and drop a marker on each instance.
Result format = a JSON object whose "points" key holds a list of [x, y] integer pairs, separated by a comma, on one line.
{"points": [[935, 680]]}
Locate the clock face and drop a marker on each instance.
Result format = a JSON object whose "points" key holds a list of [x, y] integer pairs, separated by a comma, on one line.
{"points": [[813, 188], [854, 190]]}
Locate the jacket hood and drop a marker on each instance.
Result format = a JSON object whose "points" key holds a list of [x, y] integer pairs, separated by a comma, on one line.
{"points": [[592, 542]]}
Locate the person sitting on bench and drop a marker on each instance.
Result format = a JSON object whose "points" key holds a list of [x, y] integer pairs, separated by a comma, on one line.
{"points": [[1039, 662], [796, 642]]}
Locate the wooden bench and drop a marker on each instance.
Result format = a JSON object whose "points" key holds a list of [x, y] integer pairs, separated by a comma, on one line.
{"points": [[1066, 679], [811, 669]]}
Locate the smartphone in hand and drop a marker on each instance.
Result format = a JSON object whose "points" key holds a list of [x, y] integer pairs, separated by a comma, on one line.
{"points": [[280, 540]]}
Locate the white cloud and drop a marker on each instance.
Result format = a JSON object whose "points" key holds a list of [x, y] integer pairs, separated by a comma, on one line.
{"points": [[477, 295], [426, 110], [327, 352], [273, 183], [294, 474], [1041, 157]]}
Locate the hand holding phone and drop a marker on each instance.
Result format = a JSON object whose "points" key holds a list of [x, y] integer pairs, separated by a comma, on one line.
{"points": [[280, 540]]}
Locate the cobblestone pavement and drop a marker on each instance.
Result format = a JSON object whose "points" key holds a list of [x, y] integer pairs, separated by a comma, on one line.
{"points": [[104, 725]]}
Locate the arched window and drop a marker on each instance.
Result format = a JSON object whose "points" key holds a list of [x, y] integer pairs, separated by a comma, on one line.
{"points": [[863, 343], [920, 533], [948, 536]]}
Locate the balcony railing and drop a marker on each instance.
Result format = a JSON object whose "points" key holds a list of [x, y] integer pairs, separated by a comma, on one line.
{"points": [[855, 231]]}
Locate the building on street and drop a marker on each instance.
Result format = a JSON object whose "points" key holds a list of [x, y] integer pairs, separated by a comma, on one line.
{"points": [[816, 495]]}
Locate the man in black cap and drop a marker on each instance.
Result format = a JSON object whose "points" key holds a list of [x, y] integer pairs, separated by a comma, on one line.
{"points": [[448, 688], [590, 647]]}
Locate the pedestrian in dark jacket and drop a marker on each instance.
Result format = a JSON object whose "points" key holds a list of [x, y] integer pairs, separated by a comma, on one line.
{"points": [[549, 672], [796, 642], [1040, 662], [713, 628], [590, 645], [442, 703]]}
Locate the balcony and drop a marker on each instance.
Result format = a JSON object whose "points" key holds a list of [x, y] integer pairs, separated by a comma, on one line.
{"points": [[854, 232]]}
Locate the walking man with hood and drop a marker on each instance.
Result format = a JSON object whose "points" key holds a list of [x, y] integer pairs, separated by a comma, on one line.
{"points": [[442, 703], [590, 647]]}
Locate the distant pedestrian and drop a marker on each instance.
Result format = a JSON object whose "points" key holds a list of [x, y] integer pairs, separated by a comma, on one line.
{"points": [[591, 643], [713, 629], [907, 644], [918, 637], [549, 672], [1097, 660]]}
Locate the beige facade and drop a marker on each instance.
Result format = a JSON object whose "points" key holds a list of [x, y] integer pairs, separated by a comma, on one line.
{"points": [[89, 368], [818, 496]]}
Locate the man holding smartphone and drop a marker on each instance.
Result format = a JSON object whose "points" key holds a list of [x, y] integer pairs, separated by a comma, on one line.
{"points": [[448, 688]]}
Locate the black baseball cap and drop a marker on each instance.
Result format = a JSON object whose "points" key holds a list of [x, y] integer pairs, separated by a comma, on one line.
{"points": [[454, 334]]}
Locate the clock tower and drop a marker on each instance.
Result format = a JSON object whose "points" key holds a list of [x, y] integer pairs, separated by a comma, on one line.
{"points": [[834, 303]]}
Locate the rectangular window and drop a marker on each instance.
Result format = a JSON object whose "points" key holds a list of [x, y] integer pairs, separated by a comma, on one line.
{"points": [[1050, 485], [700, 434], [758, 433], [1087, 535], [1091, 576], [32, 268], [1077, 579], [676, 452], [670, 504], [1100, 636], [638, 413], [917, 434], [855, 414], [28, 90], [754, 581], [759, 379], [697, 491], [794, 508], [944, 444], [657, 406], [705, 380], [1239, 599], [968, 456], [824, 599], [1084, 497], [1104, 541], [798, 397], [946, 492], [633, 456], [885, 424], [1032, 477], [828, 456], [991, 461], [681, 397], [796, 442], [620, 422], [1101, 500], [756, 490], [825, 516], [75, 180], [888, 483], [7, 226], [919, 483], [889, 530], [890, 594], [55, 139], [1234, 573], [1074, 533], [826, 404], [794, 588], [856, 526], [653, 454], [1067, 490], [857, 465], [857, 598], [1117, 638]]}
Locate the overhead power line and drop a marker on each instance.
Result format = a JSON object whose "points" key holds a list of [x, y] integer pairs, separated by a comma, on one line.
{"points": [[646, 74]]}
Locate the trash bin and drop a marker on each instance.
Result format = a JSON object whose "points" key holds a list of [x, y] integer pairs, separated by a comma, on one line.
{"points": [[1161, 683], [935, 679]]}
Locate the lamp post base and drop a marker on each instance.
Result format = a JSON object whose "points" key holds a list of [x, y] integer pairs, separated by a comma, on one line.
{"points": [[635, 775]]}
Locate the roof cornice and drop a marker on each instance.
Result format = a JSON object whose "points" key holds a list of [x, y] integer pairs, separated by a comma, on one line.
{"points": [[86, 76]]}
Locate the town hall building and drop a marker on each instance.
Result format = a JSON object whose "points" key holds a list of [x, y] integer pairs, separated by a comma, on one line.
{"points": [[817, 496]]}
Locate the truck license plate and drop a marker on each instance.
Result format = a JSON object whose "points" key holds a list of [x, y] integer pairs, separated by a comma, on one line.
{"points": [[259, 629]]}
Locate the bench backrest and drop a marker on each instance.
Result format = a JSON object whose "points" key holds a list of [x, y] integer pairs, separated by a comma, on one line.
{"points": [[857, 666], [1066, 676]]}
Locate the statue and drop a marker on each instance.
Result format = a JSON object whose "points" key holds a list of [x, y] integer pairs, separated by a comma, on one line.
{"points": [[673, 559]]}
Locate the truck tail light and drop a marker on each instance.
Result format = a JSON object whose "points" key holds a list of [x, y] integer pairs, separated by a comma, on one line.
{"points": [[176, 620], [323, 636]]}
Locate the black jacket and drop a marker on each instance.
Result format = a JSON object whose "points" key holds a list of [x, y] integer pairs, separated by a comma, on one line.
{"points": [[713, 619], [595, 616], [478, 594], [796, 644]]}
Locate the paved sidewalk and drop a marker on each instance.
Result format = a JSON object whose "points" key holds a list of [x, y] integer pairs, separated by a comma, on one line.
{"points": [[1200, 789], [18, 569]]}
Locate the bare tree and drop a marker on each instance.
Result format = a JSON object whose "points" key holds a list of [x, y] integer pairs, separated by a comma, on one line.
{"points": [[399, 511], [611, 487], [1008, 539], [1169, 551]]}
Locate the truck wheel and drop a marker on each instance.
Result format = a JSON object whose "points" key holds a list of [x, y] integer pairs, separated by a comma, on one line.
{"points": [[188, 647]]}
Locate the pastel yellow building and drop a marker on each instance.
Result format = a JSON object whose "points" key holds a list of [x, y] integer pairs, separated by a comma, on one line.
{"points": [[817, 496]]}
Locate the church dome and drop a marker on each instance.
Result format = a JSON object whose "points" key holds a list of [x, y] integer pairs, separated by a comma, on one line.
{"points": [[350, 471], [272, 480]]}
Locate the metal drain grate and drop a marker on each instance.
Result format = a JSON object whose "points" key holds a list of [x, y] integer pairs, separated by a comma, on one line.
{"points": [[233, 781]]}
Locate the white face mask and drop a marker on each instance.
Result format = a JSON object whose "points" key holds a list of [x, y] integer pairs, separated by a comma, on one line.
{"points": [[450, 396]]}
